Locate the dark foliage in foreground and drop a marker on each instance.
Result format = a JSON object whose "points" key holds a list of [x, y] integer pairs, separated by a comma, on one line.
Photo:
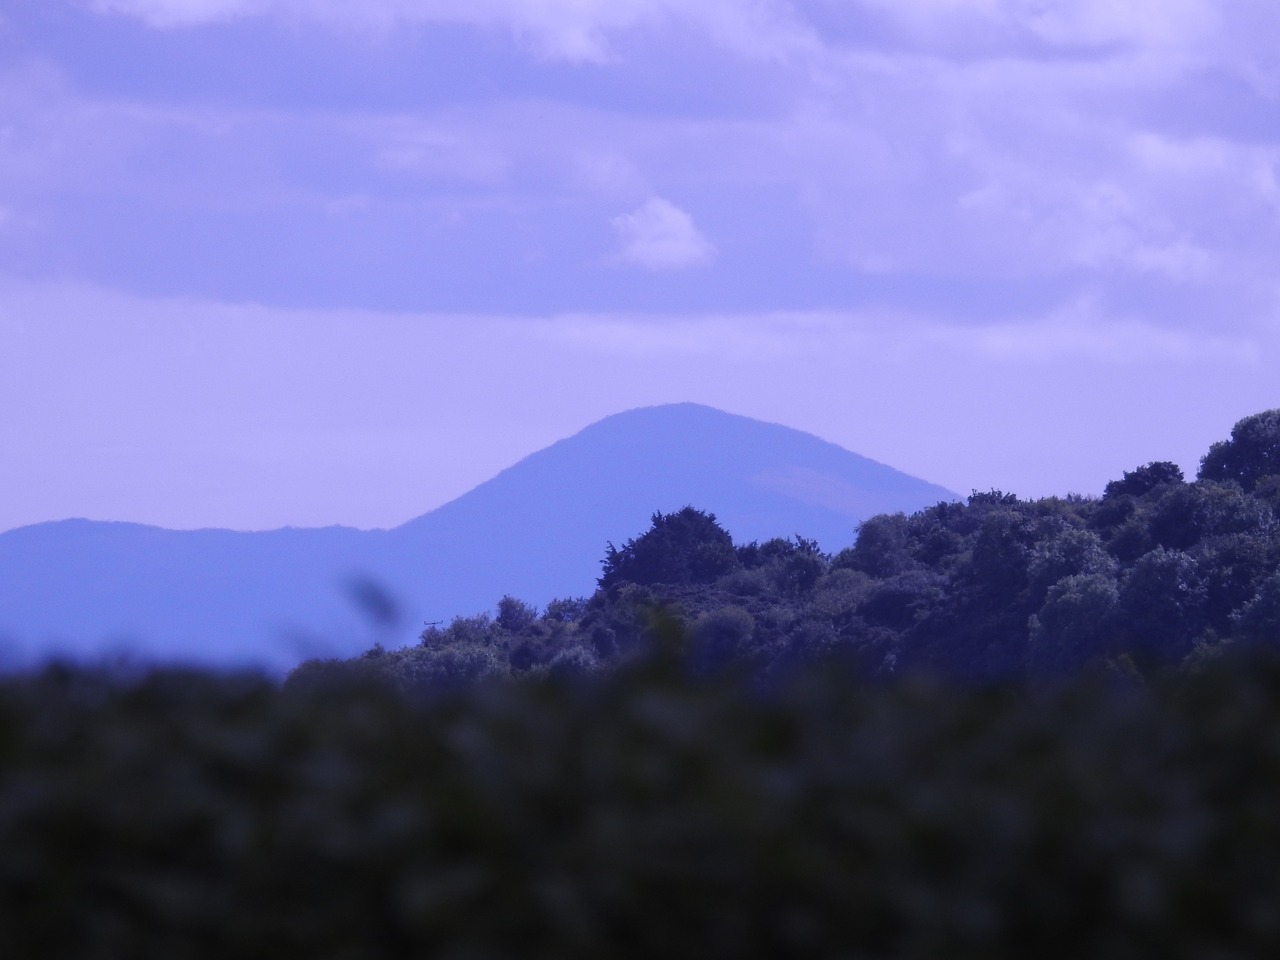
{"points": [[641, 814]]}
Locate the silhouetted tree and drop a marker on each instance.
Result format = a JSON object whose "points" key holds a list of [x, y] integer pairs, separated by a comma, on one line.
{"points": [[1137, 482], [882, 548], [686, 547], [515, 615], [1252, 453]]}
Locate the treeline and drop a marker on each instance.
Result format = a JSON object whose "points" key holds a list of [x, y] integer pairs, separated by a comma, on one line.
{"points": [[1157, 574]]}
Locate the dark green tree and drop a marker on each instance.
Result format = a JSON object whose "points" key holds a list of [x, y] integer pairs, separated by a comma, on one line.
{"points": [[565, 610], [882, 548], [1071, 552], [1161, 610], [426, 670], [1184, 515], [1252, 453], [899, 602], [791, 566], [1137, 482], [1075, 626], [515, 615], [682, 548], [1257, 623], [722, 637], [1235, 567]]}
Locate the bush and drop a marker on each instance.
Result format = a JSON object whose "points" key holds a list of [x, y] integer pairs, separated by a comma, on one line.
{"points": [[639, 815]]}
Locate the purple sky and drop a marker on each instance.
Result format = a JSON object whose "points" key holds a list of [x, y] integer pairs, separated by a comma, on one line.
{"points": [[269, 262]]}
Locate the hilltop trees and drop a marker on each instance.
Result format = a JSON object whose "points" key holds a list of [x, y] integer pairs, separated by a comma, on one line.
{"points": [[1156, 573], [1250, 456], [686, 547], [1145, 478]]}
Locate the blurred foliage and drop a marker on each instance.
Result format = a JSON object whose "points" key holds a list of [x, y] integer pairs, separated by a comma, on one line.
{"points": [[639, 812]]}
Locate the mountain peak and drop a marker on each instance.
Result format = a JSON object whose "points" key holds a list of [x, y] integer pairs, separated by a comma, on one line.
{"points": [[761, 479], [537, 531]]}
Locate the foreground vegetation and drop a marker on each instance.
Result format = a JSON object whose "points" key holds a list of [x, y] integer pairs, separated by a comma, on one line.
{"points": [[991, 729], [640, 814]]}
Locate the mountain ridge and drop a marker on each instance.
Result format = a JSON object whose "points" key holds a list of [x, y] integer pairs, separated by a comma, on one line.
{"points": [[536, 530]]}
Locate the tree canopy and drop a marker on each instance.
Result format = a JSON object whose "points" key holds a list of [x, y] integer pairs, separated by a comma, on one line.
{"points": [[1250, 456], [681, 548], [1155, 575]]}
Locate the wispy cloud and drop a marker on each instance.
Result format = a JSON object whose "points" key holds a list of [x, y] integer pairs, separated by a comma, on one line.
{"points": [[567, 29], [1073, 333]]}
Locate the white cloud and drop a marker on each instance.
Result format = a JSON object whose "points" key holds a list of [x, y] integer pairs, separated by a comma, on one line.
{"points": [[658, 235]]}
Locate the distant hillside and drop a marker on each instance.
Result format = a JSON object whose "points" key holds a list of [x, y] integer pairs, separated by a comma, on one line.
{"points": [[538, 531]]}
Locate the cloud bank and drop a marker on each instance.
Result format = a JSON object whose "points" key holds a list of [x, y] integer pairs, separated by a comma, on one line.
{"points": [[950, 220], [840, 151]]}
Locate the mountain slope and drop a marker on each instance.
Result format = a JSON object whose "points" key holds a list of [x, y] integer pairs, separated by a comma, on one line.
{"points": [[537, 530]]}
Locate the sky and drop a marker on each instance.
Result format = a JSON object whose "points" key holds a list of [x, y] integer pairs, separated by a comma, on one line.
{"points": [[309, 262]]}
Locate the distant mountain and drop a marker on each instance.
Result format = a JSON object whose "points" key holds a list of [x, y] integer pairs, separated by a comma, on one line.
{"points": [[537, 531]]}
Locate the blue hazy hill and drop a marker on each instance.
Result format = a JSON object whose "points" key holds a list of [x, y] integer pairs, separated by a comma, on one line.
{"points": [[538, 530]]}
